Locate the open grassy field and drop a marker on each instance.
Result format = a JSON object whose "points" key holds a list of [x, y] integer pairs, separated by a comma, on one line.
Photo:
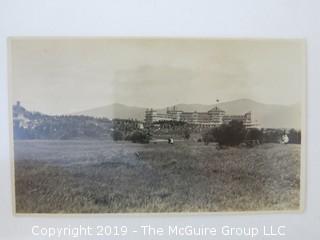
{"points": [[107, 177]]}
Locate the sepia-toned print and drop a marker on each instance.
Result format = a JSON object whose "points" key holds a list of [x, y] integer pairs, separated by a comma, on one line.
{"points": [[157, 125]]}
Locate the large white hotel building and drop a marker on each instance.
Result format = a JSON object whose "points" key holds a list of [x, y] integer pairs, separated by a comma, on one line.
{"points": [[212, 118]]}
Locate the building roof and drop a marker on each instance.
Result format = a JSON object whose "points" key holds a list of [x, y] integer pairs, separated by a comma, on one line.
{"points": [[216, 109]]}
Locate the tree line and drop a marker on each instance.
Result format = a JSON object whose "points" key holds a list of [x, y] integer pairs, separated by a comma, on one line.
{"points": [[235, 133]]}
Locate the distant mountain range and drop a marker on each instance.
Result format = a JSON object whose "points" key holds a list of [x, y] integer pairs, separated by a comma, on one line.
{"points": [[268, 115], [115, 110]]}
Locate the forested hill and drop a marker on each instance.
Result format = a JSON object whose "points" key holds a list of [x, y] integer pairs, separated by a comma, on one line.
{"points": [[34, 125]]}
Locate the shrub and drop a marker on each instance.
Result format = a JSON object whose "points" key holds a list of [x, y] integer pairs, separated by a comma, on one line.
{"points": [[139, 136], [272, 135], [209, 136], [231, 134], [117, 135], [294, 136], [254, 134], [186, 133]]}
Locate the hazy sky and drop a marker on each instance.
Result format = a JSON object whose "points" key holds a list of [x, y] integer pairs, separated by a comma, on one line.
{"points": [[69, 75]]}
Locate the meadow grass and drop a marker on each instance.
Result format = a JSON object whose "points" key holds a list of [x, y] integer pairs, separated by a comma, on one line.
{"points": [[112, 177]]}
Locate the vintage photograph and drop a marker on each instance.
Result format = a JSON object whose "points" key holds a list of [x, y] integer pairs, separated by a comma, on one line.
{"points": [[157, 125]]}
